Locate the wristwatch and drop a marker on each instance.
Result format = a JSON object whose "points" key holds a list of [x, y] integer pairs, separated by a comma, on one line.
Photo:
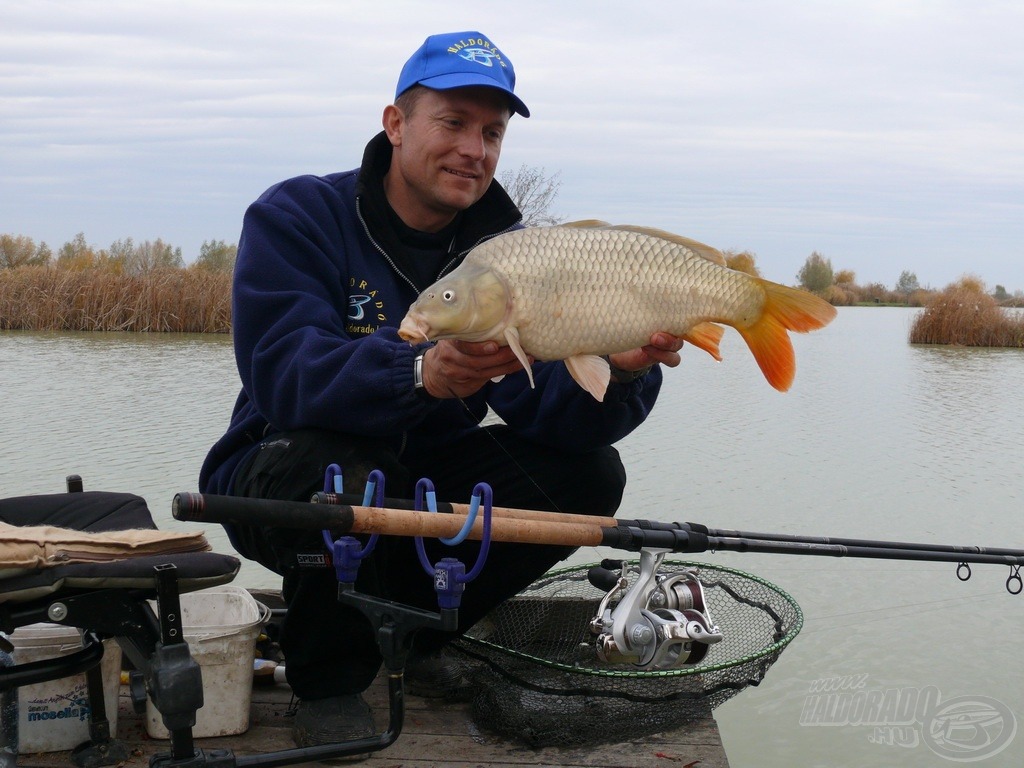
{"points": [[417, 375], [626, 377]]}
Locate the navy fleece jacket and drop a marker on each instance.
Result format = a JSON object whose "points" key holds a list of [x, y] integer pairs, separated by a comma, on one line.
{"points": [[317, 299]]}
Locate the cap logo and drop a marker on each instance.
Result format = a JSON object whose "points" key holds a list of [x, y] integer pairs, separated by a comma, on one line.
{"points": [[478, 50], [478, 56]]}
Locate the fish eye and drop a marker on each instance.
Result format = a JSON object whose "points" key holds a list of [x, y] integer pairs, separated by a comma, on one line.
{"points": [[448, 296]]}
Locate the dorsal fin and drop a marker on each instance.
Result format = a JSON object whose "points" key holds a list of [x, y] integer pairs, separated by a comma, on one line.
{"points": [[704, 251], [588, 224]]}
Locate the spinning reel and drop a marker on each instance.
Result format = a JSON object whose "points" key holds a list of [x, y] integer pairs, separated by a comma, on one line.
{"points": [[660, 622]]}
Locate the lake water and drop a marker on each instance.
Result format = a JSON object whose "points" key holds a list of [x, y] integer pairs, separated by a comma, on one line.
{"points": [[877, 439]]}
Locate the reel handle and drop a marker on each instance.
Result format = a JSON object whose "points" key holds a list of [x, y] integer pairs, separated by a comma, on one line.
{"points": [[606, 575]]}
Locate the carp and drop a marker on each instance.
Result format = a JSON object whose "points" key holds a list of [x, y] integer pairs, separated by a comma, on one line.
{"points": [[580, 292]]}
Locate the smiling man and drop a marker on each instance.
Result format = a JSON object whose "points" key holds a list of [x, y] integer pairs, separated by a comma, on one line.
{"points": [[445, 148], [327, 267]]}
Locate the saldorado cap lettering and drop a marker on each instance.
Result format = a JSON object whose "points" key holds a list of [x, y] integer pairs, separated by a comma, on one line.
{"points": [[457, 60]]}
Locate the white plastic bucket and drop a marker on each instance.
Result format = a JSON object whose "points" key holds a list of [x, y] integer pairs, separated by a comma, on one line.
{"points": [[221, 625], [54, 716]]}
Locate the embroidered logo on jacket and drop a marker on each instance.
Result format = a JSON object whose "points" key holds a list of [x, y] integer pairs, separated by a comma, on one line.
{"points": [[365, 309]]}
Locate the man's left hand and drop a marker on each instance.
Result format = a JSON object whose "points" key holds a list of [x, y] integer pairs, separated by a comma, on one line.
{"points": [[664, 349]]}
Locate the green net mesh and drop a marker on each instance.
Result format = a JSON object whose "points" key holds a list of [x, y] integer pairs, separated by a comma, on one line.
{"points": [[540, 680]]}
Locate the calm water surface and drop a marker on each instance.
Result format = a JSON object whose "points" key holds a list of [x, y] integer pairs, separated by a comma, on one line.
{"points": [[877, 439]]}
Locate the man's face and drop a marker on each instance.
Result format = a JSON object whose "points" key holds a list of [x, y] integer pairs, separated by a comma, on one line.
{"points": [[445, 153]]}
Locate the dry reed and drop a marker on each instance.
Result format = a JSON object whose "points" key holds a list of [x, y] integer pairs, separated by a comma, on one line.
{"points": [[965, 315], [165, 301]]}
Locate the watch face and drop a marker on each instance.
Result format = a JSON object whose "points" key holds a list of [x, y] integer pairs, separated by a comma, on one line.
{"points": [[417, 371]]}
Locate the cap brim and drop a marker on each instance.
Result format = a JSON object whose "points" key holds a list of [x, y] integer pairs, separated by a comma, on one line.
{"points": [[464, 80]]}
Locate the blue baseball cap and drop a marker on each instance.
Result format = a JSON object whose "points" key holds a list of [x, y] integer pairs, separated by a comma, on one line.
{"points": [[458, 59]]}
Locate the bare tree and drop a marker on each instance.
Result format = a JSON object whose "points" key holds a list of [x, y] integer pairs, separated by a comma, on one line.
{"points": [[907, 283], [533, 192], [216, 256], [816, 274], [741, 261], [76, 253], [149, 256], [18, 251], [119, 256]]}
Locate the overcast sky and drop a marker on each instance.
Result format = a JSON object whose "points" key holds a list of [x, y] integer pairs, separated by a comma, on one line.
{"points": [[886, 135]]}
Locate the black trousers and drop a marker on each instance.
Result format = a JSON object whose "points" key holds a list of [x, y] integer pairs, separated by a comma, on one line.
{"points": [[331, 649]]}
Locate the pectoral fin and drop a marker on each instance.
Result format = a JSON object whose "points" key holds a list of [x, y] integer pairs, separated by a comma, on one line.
{"points": [[590, 372], [512, 337]]}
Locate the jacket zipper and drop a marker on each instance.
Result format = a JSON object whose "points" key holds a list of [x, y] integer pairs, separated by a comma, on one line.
{"points": [[444, 270], [381, 251]]}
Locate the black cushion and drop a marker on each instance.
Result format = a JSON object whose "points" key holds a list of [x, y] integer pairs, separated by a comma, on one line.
{"points": [[93, 511]]}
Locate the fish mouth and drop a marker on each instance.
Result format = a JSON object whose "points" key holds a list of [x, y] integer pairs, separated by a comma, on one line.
{"points": [[413, 330]]}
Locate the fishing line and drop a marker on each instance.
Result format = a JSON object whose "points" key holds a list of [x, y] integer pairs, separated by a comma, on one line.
{"points": [[927, 606], [505, 450]]}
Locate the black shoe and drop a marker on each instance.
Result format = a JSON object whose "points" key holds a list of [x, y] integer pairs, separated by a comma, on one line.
{"points": [[436, 675], [333, 720]]}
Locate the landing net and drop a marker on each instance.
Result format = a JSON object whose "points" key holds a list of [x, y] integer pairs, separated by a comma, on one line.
{"points": [[540, 680]]}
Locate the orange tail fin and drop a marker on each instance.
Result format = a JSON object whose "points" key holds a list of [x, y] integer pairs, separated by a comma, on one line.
{"points": [[785, 309]]}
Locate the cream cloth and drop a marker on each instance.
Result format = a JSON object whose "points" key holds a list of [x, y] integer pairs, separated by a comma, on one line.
{"points": [[45, 546]]}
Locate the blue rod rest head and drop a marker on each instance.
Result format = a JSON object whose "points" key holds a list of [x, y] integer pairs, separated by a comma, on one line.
{"points": [[449, 582], [348, 553]]}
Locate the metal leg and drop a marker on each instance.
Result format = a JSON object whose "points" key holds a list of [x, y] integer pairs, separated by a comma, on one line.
{"points": [[101, 749], [8, 719]]}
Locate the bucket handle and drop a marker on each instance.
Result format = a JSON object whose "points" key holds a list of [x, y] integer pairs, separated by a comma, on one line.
{"points": [[265, 614]]}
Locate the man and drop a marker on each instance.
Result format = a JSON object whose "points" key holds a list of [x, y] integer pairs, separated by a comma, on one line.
{"points": [[327, 267]]}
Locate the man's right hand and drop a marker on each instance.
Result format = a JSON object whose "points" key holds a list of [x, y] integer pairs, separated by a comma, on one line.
{"points": [[454, 368]]}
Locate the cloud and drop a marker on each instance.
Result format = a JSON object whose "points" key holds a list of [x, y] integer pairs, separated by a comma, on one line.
{"points": [[885, 135]]}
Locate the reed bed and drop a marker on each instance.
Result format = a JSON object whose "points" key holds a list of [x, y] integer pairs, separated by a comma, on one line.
{"points": [[965, 315], [163, 301]]}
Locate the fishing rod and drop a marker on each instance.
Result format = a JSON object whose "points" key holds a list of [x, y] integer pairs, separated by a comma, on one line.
{"points": [[609, 522], [398, 517]]}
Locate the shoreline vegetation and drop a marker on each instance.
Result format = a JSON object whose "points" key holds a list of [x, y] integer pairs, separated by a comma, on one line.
{"points": [[191, 300], [965, 315], [146, 287], [160, 301]]}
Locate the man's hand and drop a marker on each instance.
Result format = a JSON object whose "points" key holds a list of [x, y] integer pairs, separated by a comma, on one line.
{"points": [[664, 349], [460, 368]]}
